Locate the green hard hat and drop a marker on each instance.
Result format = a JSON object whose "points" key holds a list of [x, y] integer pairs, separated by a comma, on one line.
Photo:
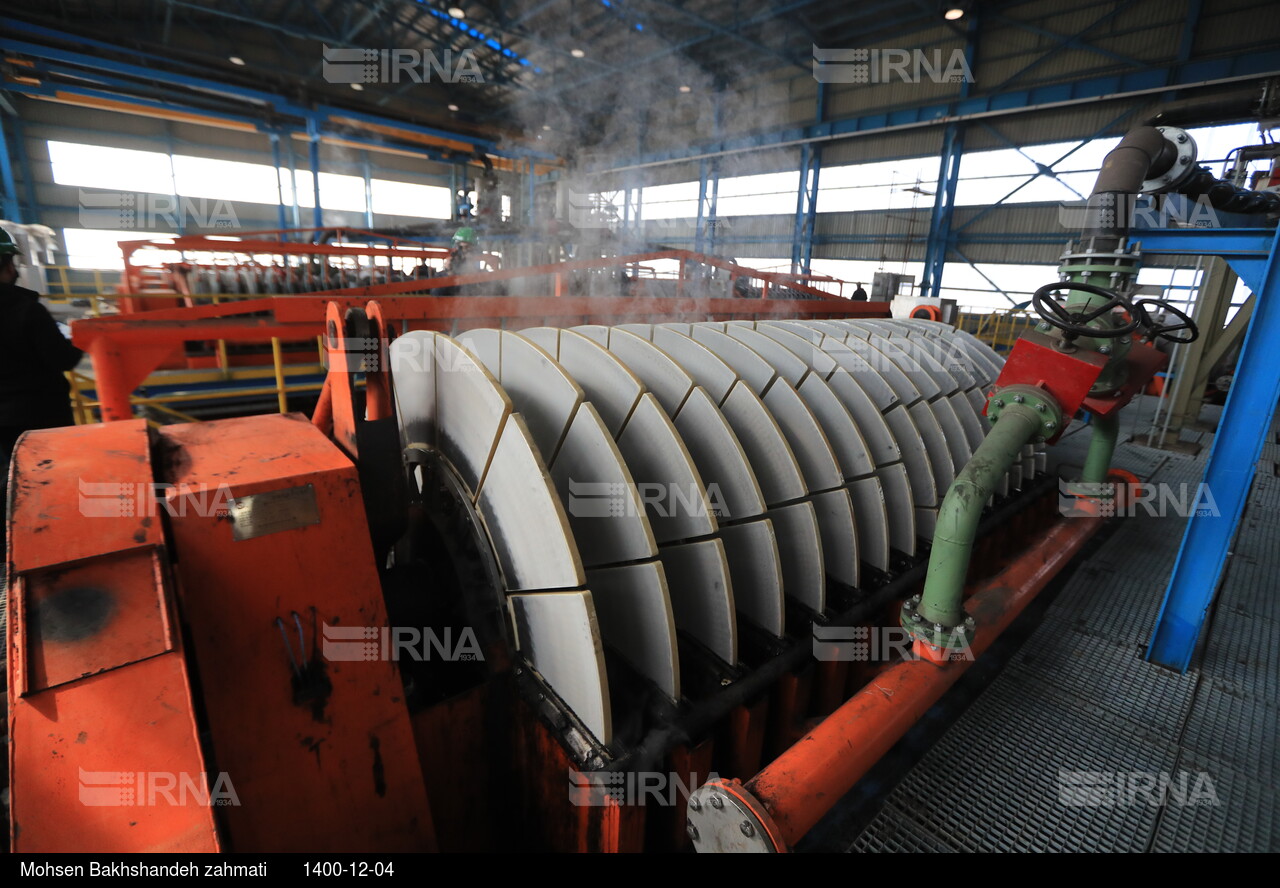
{"points": [[7, 246], [464, 236]]}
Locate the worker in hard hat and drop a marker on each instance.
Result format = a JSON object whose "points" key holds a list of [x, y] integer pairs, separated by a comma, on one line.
{"points": [[462, 260], [34, 356]]}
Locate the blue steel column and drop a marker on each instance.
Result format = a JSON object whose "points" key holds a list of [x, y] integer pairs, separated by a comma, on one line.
{"points": [[368, 192], [1233, 459], [12, 208], [281, 222], [313, 144], [802, 211], [935, 254]]}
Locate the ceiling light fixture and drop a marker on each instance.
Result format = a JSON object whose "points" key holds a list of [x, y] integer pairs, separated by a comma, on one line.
{"points": [[453, 107], [577, 53], [357, 87], [457, 12], [236, 60], [685, 89]]}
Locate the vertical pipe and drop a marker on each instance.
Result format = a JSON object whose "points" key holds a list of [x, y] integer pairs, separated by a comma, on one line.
{"points": [[1097, 463], [277, 359]]}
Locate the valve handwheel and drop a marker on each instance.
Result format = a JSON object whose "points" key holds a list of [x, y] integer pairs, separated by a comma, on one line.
{"points": [[1076, 323], [1162, 331]]}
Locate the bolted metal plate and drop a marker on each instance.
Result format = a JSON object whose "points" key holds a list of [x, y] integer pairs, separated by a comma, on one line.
{"points": [[719, 823]]}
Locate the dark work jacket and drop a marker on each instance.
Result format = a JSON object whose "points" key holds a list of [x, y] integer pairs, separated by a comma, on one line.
{"points": [[34, 354]]}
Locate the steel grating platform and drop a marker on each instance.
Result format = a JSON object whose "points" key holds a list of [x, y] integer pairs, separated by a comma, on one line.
{"points": [[1056, 754]]}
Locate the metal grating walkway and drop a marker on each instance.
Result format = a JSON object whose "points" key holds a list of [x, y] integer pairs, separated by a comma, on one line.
{"points": [[1056, 752]]}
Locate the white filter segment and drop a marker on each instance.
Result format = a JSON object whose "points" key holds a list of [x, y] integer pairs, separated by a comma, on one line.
{"points": [[915, 457], [470, 411], [783, 360], [871, 515], [667, 380], [903, 389], [539, 388], [800, 549], [926, 522], [633, 607], [413, 374], [668, 483], [597, 333], [770, 455], [858, 368], [974, 430], [485, 343], [644, 331], [524, 517], [948, 352], [682, 329], [899, 507], [923, 381], [978, 400], [839, 535], [732, 490], [935, 443], [559, 635], [804, 434], [608, 384], [924, 351], [953, 431], [750, 367], [698, 361], [881, 445], [702, 595], [600, 496], [755, 567], [847, 443], [546, 338]]}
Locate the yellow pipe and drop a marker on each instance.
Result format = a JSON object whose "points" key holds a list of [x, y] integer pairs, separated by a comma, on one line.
{"points": [[279, 362]]}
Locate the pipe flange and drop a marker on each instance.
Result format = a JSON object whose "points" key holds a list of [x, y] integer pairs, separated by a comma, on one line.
{"points": [[1183, 167], [935, 635], [1033, 398], [720, 819]]}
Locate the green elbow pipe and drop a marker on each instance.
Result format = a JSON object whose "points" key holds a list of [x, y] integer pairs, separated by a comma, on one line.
{"points": [[1106, 432], [942, 601]]}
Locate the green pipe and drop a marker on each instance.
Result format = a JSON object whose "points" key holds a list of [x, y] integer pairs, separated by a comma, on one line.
{"points": [[1106, 431], [942, 601]]}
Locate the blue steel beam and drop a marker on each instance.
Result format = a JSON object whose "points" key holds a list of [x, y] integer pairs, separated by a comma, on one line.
{"points": [[1242, 430], [1240, 67]]}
